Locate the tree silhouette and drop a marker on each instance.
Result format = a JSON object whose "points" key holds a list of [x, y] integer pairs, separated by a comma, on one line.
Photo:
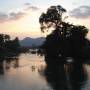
{"points": [[13, 45], [8, 46], [1, 38], [6, 37], [16, 44], [52, 18], [78, 39], [65, 40]]}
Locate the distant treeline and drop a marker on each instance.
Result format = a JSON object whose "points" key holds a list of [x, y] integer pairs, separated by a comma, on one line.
{"points": [[8, 45]]}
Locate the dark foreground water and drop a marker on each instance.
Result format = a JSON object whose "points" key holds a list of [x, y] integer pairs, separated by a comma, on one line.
{"points": [[27, 72]]}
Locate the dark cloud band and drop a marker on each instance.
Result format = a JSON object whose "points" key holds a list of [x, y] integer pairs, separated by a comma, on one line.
{"points": [[4, 17], [11, 16], [81, 12]]}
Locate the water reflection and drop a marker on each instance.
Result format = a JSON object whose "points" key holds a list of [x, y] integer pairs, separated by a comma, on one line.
{"points": [[11, 62], [67, 77], [29, 72], [7, 63], [1, 68], [21, 72]]}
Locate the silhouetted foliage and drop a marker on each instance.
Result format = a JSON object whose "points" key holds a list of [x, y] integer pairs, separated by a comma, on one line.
{"points": [[8, 46], [65, 40], [52, 18], [15, 44]]}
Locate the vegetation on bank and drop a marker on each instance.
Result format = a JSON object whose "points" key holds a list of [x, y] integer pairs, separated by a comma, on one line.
{"points": [[8, 47], [65, 40]]}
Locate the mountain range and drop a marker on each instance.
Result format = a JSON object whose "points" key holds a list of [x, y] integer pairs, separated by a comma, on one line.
{"points": [[28, 41]]}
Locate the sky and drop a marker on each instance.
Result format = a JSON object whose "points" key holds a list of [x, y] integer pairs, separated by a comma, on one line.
{"points": [[21, 17]]}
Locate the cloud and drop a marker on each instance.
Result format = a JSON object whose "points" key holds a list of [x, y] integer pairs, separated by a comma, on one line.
{"points": [[32, 8], [28, 6], [14, 16], [10, 16], [81, 12], [4, 17]]}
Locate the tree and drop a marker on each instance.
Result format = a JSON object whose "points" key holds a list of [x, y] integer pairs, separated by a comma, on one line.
{"points": [[65, 40], [1, 38], [78, 39], [52, 18], [6, 37], [14, 45]]}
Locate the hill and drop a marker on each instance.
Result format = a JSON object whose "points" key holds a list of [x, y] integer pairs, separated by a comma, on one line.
{"points": [[29, 42]]}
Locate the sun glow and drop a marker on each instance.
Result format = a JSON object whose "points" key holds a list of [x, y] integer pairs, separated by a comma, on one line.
{"points": [[24, 18], [26, 26]]}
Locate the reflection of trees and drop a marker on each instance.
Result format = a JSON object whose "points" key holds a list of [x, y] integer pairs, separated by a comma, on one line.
{"points": [[1, 66], [56, 79], [7, 63], [12, 62], [16, 63], [78, 76], [54, 62], [67, 77]]}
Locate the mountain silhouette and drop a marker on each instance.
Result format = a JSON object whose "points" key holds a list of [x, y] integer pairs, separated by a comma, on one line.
{"points": [[28, 41]]}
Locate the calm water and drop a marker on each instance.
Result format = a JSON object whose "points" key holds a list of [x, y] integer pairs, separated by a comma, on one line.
{"points": [[27, 72]]}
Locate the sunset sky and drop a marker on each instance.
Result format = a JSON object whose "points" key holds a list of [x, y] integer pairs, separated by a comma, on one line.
{"points": [[21, 17]]}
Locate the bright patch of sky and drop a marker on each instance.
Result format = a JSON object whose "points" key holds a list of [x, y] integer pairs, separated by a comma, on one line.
{"points": [[9, 5], [13, 20]]}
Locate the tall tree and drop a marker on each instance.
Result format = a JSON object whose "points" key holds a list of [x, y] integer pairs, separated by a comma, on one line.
{"points": [[52, 18], [66, 40]]}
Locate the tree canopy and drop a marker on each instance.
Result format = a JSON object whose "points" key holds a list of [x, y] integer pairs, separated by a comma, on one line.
{"points": [[7, 45], [52, 18], [66, 40]]}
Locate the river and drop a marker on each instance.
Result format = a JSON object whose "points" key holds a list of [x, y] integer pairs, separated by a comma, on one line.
{"points": [[27, 72]]}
